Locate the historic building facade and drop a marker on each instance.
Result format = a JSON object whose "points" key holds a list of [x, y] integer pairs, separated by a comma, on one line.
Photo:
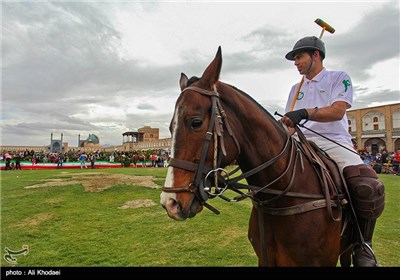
{"points": [[376, 128], [144, 139], [90, 144]]}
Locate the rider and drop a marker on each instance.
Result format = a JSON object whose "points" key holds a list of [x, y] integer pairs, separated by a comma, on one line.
{"points": [[322, 98]]}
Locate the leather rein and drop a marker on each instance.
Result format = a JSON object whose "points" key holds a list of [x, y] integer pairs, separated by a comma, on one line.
{"points": [[200, 186]]}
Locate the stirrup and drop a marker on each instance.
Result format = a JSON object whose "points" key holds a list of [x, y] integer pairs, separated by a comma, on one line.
{"points": [[364, 256]]}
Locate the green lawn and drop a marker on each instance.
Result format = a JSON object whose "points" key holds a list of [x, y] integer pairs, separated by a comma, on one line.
{"points": [[66, 223]]}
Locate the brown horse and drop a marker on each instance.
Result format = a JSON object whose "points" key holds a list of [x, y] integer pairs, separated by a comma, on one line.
{"points": [[294, 221], [137, 158]]}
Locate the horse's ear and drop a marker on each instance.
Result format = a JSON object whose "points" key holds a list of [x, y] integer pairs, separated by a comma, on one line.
{"points": [[183, 81], [211, 74]]}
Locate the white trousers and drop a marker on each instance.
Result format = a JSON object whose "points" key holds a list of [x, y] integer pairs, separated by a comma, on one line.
{"points": [[340, 155]]}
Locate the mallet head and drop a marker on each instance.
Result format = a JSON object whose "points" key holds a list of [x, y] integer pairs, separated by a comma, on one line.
{"points": [[324, 26]]}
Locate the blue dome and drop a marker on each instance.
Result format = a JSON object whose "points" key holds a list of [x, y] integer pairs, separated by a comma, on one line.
{"points": [[93, 138]]}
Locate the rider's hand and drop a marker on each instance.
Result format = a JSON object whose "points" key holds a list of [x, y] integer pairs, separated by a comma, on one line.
{"points": [[294, 117]]}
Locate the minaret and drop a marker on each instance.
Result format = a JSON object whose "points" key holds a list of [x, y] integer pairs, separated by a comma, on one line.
{"points": [[62, 146], [51, 142], [79, 140]]}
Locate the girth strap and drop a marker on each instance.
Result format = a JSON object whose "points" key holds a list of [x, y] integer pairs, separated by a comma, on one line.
{"points": [[296, 209], [262, 234]]}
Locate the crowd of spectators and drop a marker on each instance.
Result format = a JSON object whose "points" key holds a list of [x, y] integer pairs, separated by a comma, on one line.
{"points": [[158, 158], [383, 162]]}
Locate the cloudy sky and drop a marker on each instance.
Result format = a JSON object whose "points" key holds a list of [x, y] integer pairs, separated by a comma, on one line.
{"points": [[114, 66]]}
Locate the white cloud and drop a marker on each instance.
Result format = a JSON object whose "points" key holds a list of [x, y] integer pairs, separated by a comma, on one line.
{"points": [[110, 67]]}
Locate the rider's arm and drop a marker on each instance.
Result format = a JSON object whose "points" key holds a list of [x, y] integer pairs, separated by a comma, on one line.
{"points": [[334, 112]]}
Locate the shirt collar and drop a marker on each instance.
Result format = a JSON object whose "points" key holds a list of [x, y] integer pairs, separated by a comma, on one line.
{"points": [[318, 77]]}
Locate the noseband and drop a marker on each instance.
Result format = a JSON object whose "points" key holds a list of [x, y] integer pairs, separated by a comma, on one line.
{"points": [[200, 185]]}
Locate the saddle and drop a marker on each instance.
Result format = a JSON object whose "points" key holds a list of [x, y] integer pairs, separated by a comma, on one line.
{"points": [[331, 166], [332, 181], [335, 189]]}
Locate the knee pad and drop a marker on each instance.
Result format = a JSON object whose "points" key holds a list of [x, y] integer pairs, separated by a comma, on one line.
{"points": [[367, 192]]}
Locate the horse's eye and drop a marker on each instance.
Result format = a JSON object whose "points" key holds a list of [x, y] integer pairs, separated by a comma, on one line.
{"points": [[196, 123]]}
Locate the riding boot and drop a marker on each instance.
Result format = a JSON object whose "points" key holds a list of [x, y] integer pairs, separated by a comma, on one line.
{"points": [[363, 255]]}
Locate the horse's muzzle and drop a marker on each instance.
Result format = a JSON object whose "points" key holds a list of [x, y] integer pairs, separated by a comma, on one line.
{"points": [[176, 210]]}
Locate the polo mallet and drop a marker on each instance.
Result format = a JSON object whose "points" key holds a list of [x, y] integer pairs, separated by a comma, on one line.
{"points": [[324, 26]]}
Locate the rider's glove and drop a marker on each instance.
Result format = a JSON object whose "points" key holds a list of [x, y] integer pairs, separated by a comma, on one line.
{"points": [[297, 116]]}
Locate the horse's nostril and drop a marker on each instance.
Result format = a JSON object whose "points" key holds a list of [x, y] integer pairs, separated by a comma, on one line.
{"points": [[172, 202], [173, 205]]}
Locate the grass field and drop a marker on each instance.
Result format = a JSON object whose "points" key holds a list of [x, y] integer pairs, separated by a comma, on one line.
{"points": [[112, 217]]}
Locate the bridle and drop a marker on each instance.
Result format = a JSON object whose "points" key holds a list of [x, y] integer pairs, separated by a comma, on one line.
{"points": [[201, 186]]}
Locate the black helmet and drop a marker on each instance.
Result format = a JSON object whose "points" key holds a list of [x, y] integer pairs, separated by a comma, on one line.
{"points": [[307, 43]]}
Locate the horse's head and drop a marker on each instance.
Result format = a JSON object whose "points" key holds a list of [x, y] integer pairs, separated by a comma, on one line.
{"points": [[201, 145]]}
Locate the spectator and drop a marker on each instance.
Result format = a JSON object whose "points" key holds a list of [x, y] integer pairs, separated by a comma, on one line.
{"points": [[18, 162], [82, 159], [92, 159], [60, 160], [7, 157], [384, 156], [396, 162]]}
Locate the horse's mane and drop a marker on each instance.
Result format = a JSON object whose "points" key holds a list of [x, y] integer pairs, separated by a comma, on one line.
{"points": [[265, 111]]}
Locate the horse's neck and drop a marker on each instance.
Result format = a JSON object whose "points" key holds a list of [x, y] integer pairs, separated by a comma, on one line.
{"points": [[266, 142], [261, 138]]}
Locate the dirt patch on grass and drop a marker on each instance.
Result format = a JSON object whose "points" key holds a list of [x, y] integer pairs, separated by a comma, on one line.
{"points": [[35, 220], [96, 182], [54, 183], [137, 203]]}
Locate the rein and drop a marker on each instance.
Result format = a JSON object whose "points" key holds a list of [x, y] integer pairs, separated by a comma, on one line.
{"points": [[203, 192]]}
